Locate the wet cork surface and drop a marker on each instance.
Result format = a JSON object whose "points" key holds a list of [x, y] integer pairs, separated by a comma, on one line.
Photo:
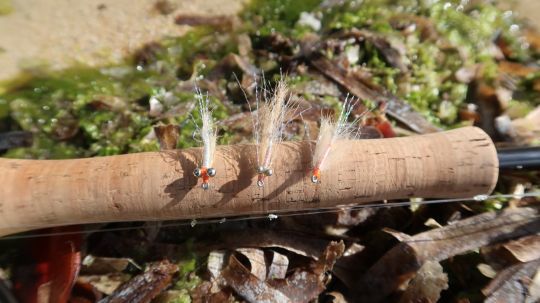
{"points": [[156, 186]]}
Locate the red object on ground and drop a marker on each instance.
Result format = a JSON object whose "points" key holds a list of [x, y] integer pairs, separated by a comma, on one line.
{"points": [[48, 266]]}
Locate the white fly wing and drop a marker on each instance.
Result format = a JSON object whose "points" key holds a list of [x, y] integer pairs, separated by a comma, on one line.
{"points": [[333, 130], [324, 141], [272, 115], [207, 131]]}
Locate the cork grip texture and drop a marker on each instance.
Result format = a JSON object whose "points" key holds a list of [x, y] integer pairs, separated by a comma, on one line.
{"points": [[160, 185]]}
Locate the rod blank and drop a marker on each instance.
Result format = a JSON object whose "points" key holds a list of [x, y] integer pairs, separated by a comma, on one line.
{"points": [[527, 158]]}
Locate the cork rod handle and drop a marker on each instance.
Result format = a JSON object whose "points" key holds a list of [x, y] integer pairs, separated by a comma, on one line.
{"points": [[160, 185]]}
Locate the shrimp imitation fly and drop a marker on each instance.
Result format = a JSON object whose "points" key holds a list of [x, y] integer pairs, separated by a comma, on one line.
{"points": [[330, 131], [269, 125], [209, 137]]}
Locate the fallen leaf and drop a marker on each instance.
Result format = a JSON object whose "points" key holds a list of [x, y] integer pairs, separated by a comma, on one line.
{"points": [[257, 261], [534, 288], [108, 103], [336, 297], [203, 293], [516, 69], [392, 51], [105, 284], [533, 38], [303, 285], [524, 249], [409, 23], [427, 285], [92, 265], [512, 284], [232, 63], [248, 286], [486, 270], [510, 253], [294, 241], [489, 107], [526, 131], [278, 266]]}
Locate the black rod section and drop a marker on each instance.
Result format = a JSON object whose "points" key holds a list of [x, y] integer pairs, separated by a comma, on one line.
{"points": [[526, 158]]}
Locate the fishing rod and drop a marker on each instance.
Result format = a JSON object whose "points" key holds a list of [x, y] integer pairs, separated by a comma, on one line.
{"points": [[460, 163], [519, 158]]}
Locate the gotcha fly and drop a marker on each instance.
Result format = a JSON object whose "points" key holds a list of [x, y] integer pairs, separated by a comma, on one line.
{"points": [[332, 130], [270, 120], [208, 137]]}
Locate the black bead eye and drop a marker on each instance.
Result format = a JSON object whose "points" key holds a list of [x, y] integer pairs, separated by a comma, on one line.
{"points": [[211, 172], [269, 172], [314, 179], [197, 172], [260, 170]]}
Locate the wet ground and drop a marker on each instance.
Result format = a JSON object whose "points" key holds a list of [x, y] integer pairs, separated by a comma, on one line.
{"points": [[58, 33], [62, 32]]}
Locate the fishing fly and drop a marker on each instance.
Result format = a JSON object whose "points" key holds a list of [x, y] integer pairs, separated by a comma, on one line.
{"points": [[330, 131], [208, 136], [269, 123]]}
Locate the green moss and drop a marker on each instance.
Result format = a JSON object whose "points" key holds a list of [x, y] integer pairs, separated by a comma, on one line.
{"points": [[269, 16], [106, 109], [366, 14], [188, 280], [187, 277], [466, 34]]}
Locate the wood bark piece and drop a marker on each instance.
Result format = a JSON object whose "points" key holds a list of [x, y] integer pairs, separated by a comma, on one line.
{"points": [[160, 185], [403, 261], [146, 286]]}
